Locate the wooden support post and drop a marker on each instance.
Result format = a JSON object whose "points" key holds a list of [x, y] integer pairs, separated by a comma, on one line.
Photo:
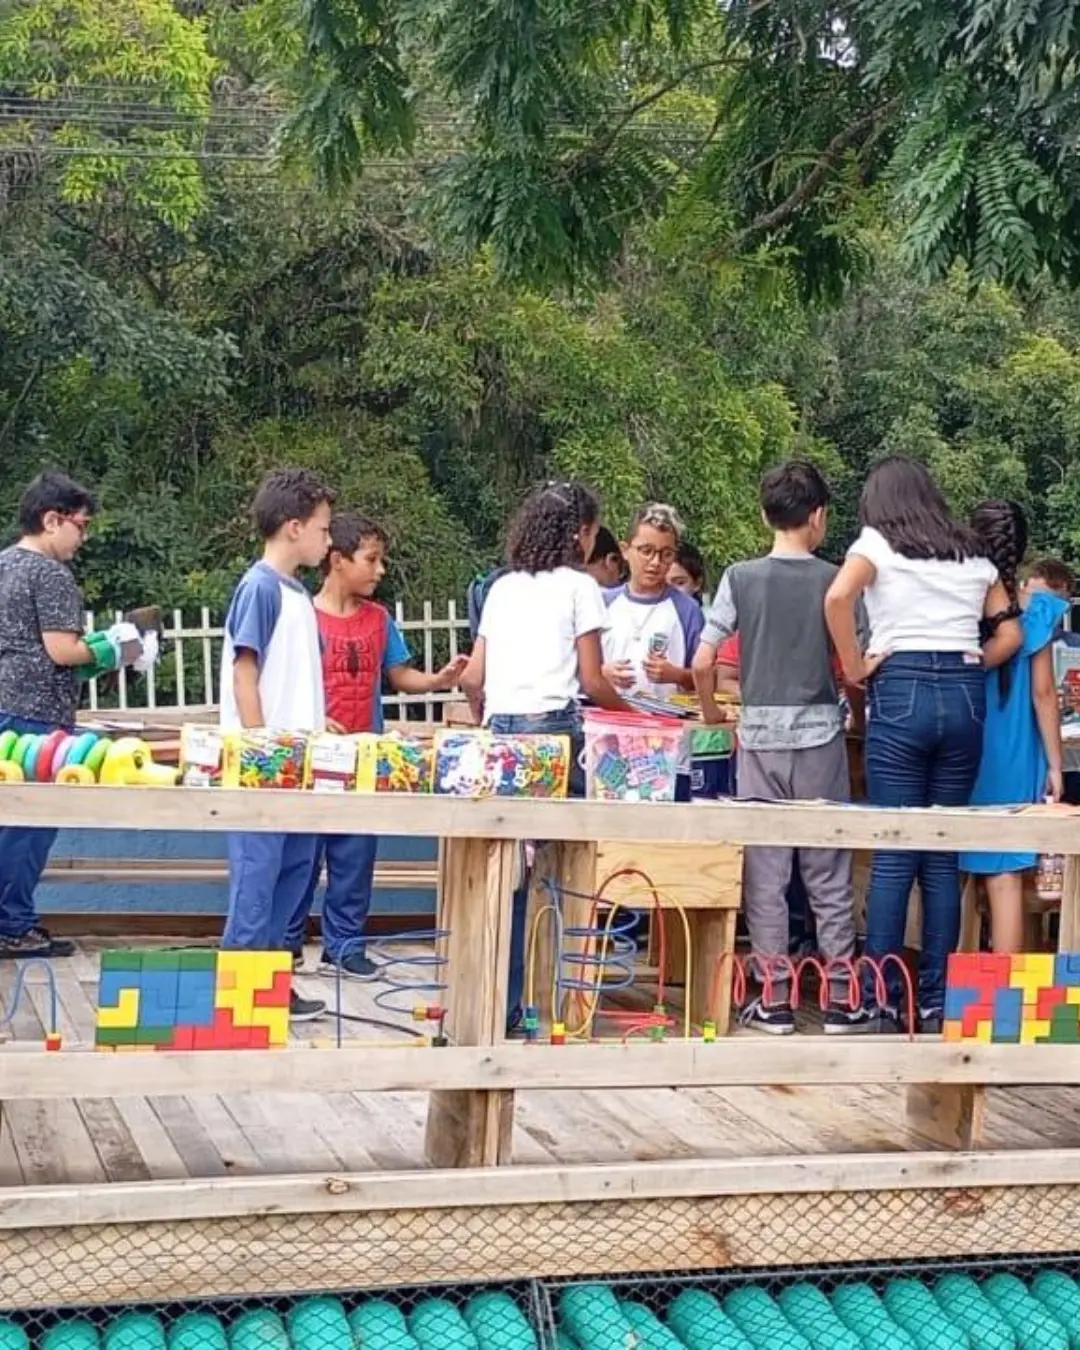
{"points": [[949, 1116], [1069, 926], [474, 1129]]}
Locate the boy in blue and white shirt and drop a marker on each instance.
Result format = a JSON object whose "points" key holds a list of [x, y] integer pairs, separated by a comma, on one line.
{"points": [[271, 676], [653, 628]]}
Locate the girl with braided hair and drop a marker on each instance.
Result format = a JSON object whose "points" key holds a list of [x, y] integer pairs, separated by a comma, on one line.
{"points": [[1021, 758], [538, 650]]}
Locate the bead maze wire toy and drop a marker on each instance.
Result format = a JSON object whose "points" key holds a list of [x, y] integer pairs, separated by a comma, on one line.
{"points": [[600, 957], [8, 1012], [425, 953]]}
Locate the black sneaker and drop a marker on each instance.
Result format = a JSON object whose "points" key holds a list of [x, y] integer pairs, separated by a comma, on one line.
{"points": [[355, 964], [930, 1022], [885, 1021], [775, 1018], [298, 961], [841, 1019], [305, 1009], [35, 942]]}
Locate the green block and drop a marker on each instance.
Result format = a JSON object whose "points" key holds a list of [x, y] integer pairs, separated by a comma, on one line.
{"points": [[126, 958], [198, 958], [154, 1035], [161, 960], [1064, 1034], [1064, 1014], [115, 1036]]}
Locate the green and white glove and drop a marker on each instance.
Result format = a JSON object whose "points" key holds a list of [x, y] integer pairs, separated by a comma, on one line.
{"points": [[108, 650]]}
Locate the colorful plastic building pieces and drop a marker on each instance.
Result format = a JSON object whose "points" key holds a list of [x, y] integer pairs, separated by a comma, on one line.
{"points": [[1023, 1000], [193, 999]]}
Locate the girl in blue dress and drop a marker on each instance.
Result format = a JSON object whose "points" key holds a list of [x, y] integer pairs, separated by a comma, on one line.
{"points": [[1021, 758]]}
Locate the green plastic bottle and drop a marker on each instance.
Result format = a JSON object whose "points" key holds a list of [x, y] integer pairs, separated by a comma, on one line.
{"points": [[437, 1325], [498, 1323], [75, 1333], [806, 1307], [969, 1308], [862, 1312], [701, 1323], [1036, 1329], [135, 1331], [12, 1336], [259, 1329], [762, 1320], [912, 1306], [319, 1324], [650, 1331], [593, 1317], [1060, 1296], [379, 1325], [195, 1331]]}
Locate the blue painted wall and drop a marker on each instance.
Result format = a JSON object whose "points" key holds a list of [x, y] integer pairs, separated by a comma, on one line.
{"points": [[200, 897]]}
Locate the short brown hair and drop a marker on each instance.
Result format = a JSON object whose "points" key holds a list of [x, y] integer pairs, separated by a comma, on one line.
{"points": [[288, 494], [1056, 574]]}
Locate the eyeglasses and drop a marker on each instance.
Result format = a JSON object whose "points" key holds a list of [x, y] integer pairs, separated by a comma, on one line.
{"points": [[649, 553], [81, 523]]}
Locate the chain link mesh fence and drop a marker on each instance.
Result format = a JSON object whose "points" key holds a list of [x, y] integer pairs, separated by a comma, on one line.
{"points": [[217, 1284], [1009, 1304]]}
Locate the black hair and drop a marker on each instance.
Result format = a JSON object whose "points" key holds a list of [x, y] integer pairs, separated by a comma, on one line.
{"points": [[605, 545], [903, 503], [52, 491], [348, 531], [791, 493], [288, 494], [1057, 575], [1002, 530], [544, 533], [689, 558]]}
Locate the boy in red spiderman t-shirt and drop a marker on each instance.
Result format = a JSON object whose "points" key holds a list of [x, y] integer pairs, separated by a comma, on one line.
{"points": [[360, 644]]}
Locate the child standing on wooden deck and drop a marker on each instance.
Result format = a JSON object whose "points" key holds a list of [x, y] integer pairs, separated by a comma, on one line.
{"points": [[791, 736], [271, 676], [361, 645]]}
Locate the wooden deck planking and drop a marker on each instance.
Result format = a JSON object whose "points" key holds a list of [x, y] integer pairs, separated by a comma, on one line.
{"points": [[139, 1139]]}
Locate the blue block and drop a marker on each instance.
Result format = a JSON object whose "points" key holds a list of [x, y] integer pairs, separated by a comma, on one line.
{"points": [[157, 998], [112, 983], [1067, 969], [195, 998], [1008, 1012], [957, 998]]}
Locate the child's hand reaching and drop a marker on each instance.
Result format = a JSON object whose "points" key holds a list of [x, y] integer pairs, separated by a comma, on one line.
{"points": [[620, 674], [1055, 785], [451, 673]]}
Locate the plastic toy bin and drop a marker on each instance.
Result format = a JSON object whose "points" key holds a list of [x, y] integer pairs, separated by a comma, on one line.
{"points": [[631, 757]]}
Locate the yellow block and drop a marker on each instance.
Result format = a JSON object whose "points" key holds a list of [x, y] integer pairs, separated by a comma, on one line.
{"points": [[952, 1030], [1032, 1028], [276, 1021], [124, 1015], [984, 1031], [1072, 994], [1037, 973]]}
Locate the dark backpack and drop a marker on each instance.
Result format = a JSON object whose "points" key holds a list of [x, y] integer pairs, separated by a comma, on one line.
{"points": [[477, 594]]}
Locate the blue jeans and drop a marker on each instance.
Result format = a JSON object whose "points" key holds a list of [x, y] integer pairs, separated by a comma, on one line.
{"points": [[350, 877], [23, 855], [925, 715], [564, 722], [268, 877]]}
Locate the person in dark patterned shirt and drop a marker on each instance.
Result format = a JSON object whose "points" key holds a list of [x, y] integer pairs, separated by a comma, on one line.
{"points": [[41, 646]]}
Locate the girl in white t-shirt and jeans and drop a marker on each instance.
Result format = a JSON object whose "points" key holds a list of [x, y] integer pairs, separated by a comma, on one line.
{"points": [[538, 647], [933, 601]]}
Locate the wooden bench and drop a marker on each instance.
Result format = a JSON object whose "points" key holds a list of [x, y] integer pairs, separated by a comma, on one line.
{"points": [[389, 875]]}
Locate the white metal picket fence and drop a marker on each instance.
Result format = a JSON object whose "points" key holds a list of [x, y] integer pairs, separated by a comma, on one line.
{"points": [[189, 671]]}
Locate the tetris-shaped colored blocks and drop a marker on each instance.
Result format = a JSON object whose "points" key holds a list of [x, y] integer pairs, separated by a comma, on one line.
{"points": [[1023, 999], [193, 999]]}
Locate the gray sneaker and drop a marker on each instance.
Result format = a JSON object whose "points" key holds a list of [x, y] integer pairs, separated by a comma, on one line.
{"points": [[305, 1009]]}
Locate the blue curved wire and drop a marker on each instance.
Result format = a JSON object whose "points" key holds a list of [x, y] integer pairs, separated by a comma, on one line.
{"points": [[7, 1014]]}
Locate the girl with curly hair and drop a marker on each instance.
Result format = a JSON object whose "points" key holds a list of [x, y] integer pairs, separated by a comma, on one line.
{"points": [[538, 649], [1021, 756]]}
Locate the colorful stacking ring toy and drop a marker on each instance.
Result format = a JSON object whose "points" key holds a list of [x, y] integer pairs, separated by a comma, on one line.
{"points": [[8, 741], [44, 767], [75, 775], [9, 772]]}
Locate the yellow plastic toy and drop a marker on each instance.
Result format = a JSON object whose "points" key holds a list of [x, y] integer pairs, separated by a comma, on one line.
{"points": [[76, 775], [11, 773], [130, 763]]}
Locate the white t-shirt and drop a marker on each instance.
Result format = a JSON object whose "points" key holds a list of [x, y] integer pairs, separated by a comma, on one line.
{"points": [[671, 617], [273, 616], [922, 604], [530, 624]]}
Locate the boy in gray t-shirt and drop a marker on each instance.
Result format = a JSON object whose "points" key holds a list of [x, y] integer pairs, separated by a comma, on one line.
{"points": [[791, 736], [41, 649]]}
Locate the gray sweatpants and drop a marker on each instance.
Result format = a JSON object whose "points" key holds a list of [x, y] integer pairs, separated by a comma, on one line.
{"points": [[819, 772]]}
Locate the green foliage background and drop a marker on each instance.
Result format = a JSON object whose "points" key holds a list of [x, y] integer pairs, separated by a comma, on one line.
{"points": [[233, 235]]}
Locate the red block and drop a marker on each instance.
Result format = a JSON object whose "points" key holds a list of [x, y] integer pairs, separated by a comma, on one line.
{"points": [[277, 996], [975, 1013], [1048, 998], [205, 1038], [259, 1038], [183, 1038]]}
